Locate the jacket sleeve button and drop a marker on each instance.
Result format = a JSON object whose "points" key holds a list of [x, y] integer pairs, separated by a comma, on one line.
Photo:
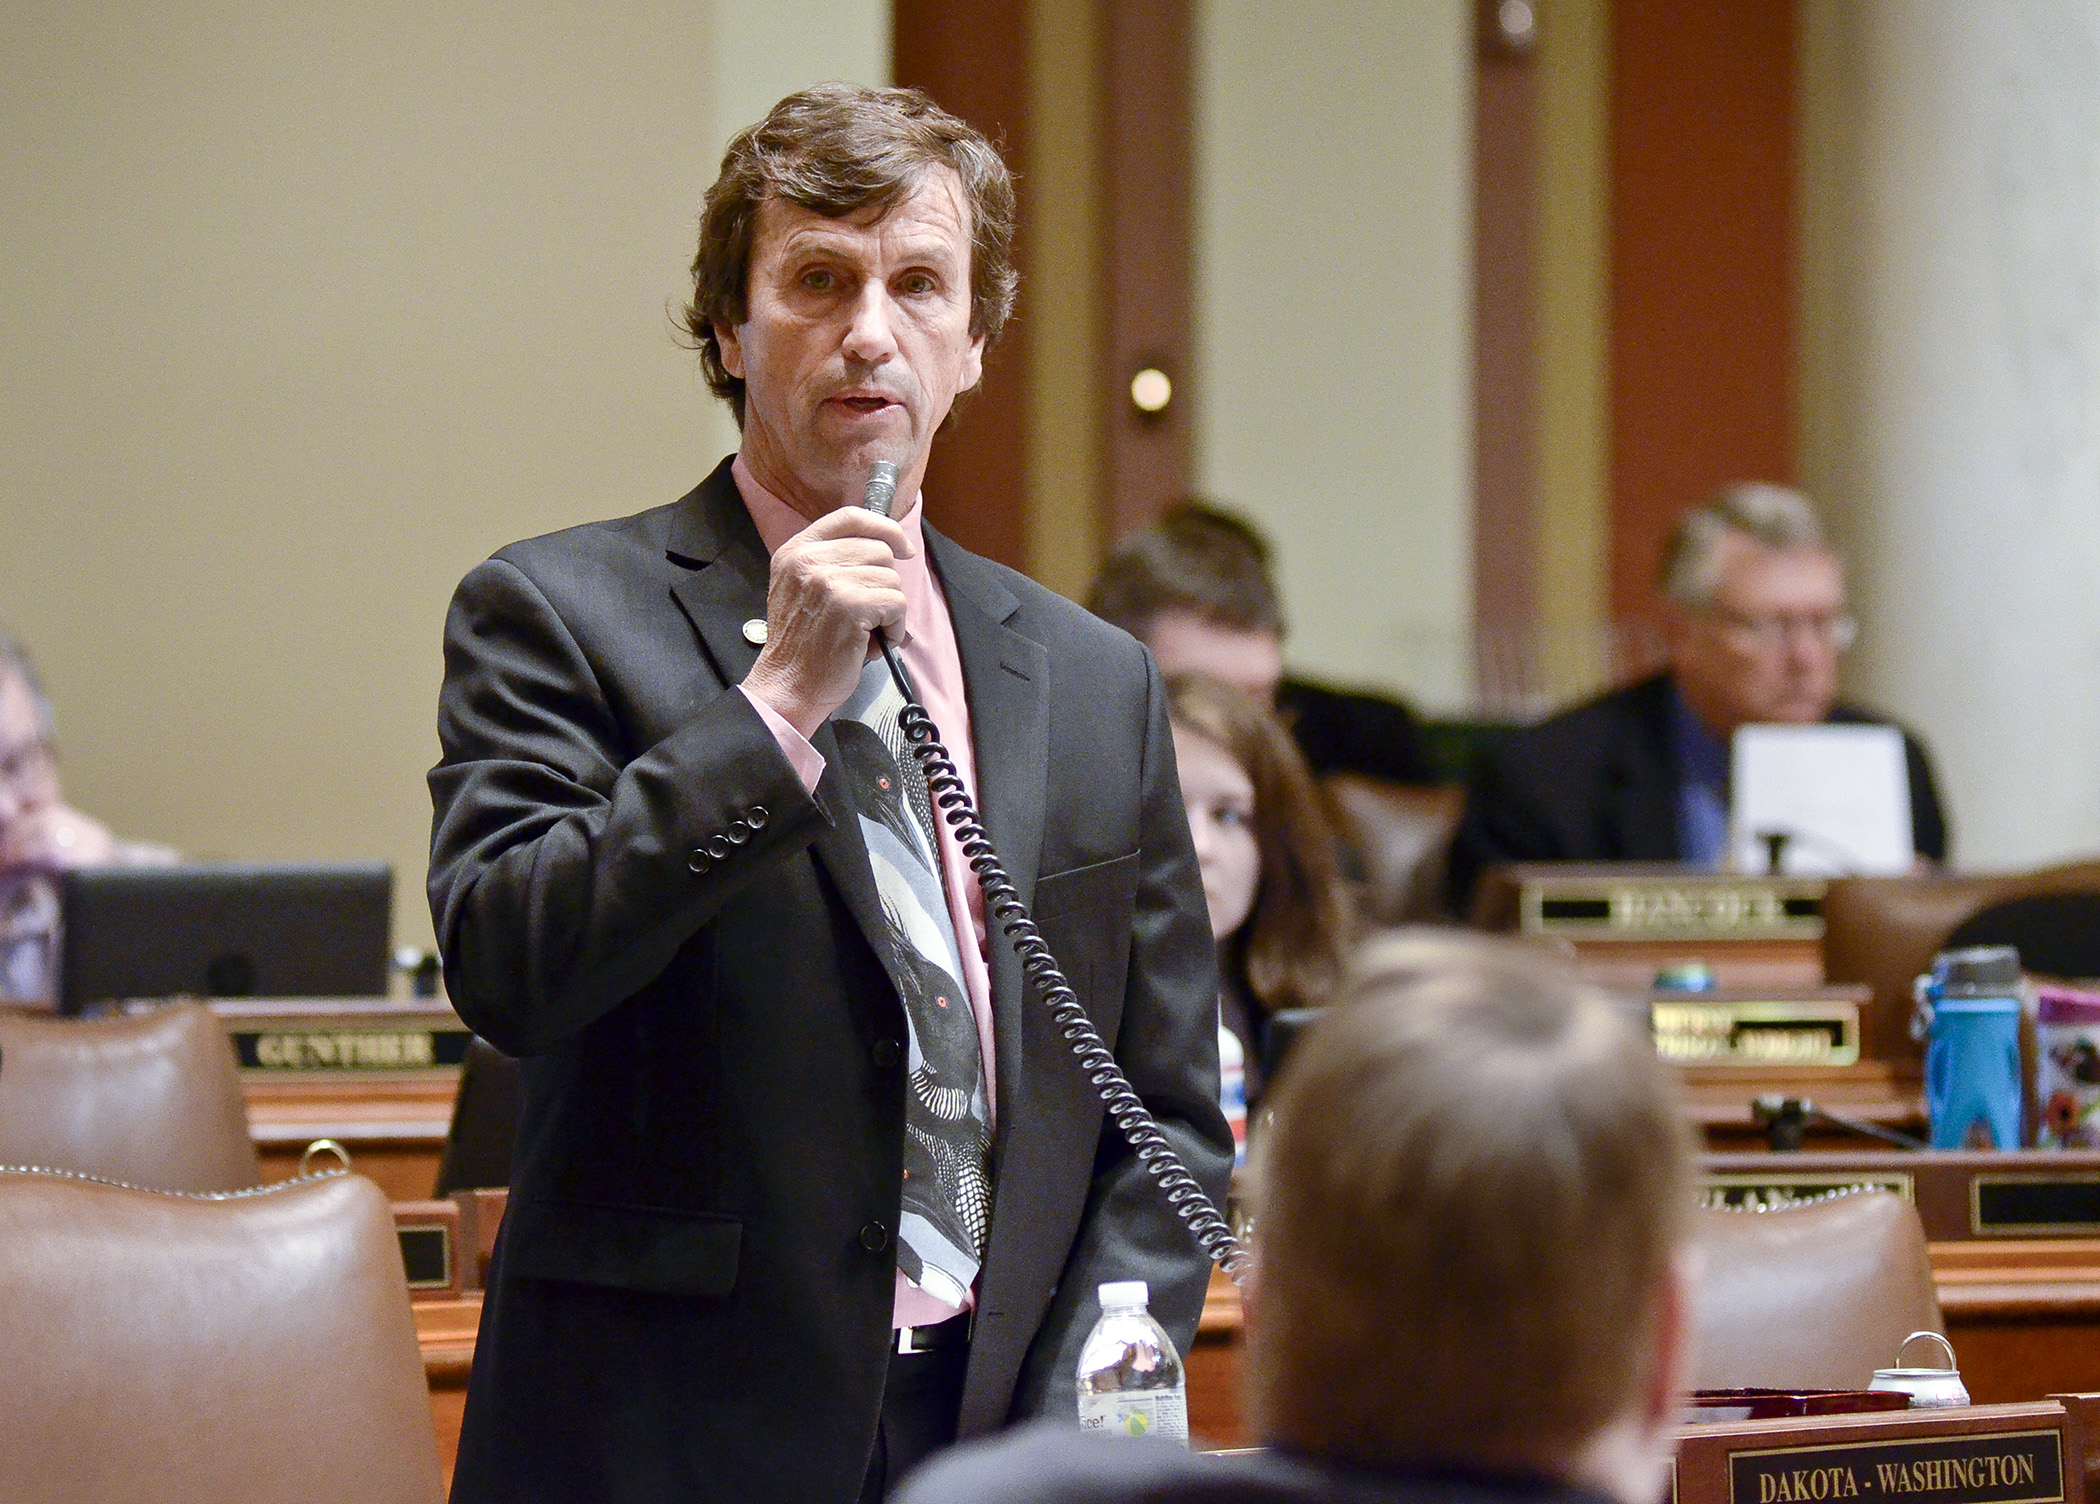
{"points": [[887, 1052], [699, 860], [719, 847], [874, 1237], [757, 816]]}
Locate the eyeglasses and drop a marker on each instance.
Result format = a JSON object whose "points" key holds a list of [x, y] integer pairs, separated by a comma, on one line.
{"points": [[1836, 630], [27, 766]]}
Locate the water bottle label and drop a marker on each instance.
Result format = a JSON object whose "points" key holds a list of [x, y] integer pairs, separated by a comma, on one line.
{"points": [[1159, 1412]]}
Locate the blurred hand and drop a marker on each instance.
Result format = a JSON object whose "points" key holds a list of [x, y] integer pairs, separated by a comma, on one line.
{"points": [[56, 835], [833, 584]]}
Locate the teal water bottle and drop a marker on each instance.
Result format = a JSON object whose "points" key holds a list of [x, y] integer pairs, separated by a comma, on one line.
{"points": [[1969, 1008]]}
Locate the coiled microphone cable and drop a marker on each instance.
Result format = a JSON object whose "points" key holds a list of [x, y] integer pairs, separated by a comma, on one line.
{"points": [[944, 786]]}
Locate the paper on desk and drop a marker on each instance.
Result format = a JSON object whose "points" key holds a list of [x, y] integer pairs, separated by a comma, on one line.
{"points": [[1841, 794]]}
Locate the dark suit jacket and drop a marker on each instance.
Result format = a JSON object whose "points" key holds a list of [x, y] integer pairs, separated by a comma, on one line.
{"points": [[1599, 784], [1046, 1465], [1345, 731], [692, 1294]]}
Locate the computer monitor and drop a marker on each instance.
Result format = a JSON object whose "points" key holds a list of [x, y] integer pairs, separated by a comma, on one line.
{"points": [[224, 930]]}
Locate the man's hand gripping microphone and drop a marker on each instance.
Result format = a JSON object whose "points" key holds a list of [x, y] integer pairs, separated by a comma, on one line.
{"points": [[944, 786]]}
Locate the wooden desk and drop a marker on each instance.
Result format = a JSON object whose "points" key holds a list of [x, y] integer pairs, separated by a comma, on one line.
{"points": [[445, 1331], [377, 1075], [1626, 920], [2029, 1452], [394, 1130], [2024, 1318], [1889, 1095]]}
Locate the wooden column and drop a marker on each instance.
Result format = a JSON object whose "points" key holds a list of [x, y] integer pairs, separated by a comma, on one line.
{"points": [[1703, 102], [1505, 371], [1148, 310], [972, 57]]}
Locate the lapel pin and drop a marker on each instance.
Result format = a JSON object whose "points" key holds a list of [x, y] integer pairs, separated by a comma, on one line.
{"points": [[755, 631]]}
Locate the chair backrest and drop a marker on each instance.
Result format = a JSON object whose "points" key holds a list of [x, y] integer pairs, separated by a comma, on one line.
{"points": [[484, 1127], [1812, 1297], [153, 1099], [256, 1346], [1399, 835], [2056, 934], [1884, 931]]}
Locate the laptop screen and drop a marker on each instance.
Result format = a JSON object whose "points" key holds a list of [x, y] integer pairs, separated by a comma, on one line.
{"points": [[225, 930]]}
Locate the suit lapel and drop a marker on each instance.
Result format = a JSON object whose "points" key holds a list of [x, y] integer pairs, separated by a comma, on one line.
{"points": [[1007, 679], [720, 583]]}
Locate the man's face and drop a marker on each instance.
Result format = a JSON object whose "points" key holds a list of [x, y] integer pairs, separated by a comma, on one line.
{"points": [[1767, 649], [1251, 662], [855, 343]]}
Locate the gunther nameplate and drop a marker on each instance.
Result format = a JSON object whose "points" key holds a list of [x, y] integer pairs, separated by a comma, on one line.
{"points": [[1674, 908], [2008, 1467], [362, 1051]]}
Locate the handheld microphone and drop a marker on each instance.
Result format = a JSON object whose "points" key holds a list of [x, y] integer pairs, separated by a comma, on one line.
{"points": [[951, 798], [881, 493]]}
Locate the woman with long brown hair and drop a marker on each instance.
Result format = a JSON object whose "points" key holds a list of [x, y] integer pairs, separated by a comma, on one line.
{"points": [[1277, 907]]}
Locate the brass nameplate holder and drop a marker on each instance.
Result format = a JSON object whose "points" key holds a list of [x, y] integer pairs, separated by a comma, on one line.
{"points": [[1691, 1030], [1774, 1193], [1689, 906], [277, 1038], [2035, 1205], [426, 1256], [2005, 1467]]}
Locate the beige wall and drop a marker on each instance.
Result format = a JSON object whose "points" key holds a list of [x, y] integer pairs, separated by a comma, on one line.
{"points": [[304, 308], [1574, 346], [1334, 367], [1062, 203]]}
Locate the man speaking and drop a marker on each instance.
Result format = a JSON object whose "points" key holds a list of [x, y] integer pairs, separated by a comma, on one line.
{"points": [[806, 1186]]}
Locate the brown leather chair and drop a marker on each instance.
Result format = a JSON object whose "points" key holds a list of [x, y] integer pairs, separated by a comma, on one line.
{"points": [[1812, 1297], [256, 1346], [1884, 931], [153, 1099], [1397, 841]]}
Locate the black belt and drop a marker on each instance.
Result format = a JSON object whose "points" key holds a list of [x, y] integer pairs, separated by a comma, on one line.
{"points": [[940, 1337]]}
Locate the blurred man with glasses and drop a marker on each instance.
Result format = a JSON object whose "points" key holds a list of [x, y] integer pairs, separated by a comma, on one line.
{"points": [[1755, 621], [40, 834]]}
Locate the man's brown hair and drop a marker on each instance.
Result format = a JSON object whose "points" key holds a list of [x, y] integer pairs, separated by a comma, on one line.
{"points": [[1468, 1202], [1288, 952], [1195, 558], [838, 149]]}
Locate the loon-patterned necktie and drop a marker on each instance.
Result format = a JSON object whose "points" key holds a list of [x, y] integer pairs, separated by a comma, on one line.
{"points": [[947, 1136]]}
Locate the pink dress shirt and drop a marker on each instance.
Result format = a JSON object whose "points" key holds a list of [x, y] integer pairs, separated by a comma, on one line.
{"points": [[934, 664]]}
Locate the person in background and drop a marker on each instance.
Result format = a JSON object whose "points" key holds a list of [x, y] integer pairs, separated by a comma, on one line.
{"points": [[1754, 622], [1473, 1278], [1270, 880], [40, 834], [1196, 588]]}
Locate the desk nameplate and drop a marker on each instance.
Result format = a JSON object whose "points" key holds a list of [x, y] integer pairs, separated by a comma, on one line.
{"points": [[1990, 1467], [2035, 1204], [1755, 1032], [1680, 907], [280, 1039]]}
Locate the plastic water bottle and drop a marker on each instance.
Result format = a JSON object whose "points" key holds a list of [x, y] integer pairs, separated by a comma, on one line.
{"points": [[1130, 1380]]}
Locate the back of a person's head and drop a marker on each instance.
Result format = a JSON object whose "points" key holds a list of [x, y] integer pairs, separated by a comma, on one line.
{"points": [[1469, 1199], [1195, 558]]}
